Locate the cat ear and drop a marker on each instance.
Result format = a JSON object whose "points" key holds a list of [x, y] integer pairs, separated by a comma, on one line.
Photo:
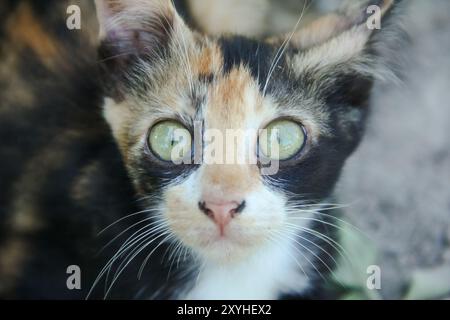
{"points": [[134, 27], [341, 53], [133, 31], [350, 35]]}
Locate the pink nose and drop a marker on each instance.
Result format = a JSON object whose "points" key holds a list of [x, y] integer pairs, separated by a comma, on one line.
{"points": [[222, 212]]}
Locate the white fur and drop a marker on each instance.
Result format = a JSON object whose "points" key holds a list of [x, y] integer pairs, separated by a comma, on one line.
{"points": [[271, 271]]}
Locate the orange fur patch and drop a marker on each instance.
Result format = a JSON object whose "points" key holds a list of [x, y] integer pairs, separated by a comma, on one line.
{"points": [[233, 101], [26, 31], [226, 108], [209, 60]]}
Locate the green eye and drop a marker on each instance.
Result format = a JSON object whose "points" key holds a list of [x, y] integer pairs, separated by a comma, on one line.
{"points": [[282, 139], [170, 141]]}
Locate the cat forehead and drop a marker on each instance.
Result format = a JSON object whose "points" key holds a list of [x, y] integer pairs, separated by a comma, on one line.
{"points": [[227, 70], [205, 59], [221, 82]]}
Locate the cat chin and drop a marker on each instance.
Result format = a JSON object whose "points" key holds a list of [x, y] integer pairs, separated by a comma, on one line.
{"points": [[226, 254], [229, 249]]}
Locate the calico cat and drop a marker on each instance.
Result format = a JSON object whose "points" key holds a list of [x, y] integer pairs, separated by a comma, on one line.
{"points": [[88, 175]]}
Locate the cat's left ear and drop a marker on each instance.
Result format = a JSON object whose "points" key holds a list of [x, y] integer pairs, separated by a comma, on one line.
{"points": [[343, 48], [134, 29], [138, 27], [138, 24]]}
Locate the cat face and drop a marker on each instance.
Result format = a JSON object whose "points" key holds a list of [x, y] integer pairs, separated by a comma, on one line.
{"points": [[295, 104]]}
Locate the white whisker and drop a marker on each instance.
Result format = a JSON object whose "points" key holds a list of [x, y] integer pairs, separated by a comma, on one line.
{"points": [[124, 218], [282, 49], [128, 260], [310, 251]]}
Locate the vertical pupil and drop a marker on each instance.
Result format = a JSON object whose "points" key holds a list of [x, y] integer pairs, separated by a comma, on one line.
{"points": [[278, 137], [172, 138]]}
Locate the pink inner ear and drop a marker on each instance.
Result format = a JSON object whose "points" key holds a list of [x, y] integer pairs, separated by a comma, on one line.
{"points": [[132, 41], [143, 36], [141, 15]]}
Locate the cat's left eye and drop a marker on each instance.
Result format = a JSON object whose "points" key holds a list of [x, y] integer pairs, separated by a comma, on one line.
{"points": [[170, 141], [282, 139]]}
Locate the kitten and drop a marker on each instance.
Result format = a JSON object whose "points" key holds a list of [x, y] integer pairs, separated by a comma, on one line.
{"points": [[89, 176]]}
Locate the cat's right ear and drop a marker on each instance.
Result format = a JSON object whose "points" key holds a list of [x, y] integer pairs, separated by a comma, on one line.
{"points": [[136, 30]]}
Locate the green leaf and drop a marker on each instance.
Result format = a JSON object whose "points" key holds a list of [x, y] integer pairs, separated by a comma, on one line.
{"points": [[356, 295], [358, 253], [430, 284]]}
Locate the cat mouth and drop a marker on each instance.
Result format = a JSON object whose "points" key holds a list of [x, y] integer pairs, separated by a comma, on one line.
{"points": [[221, 237], [231, 236], [232, 247]]}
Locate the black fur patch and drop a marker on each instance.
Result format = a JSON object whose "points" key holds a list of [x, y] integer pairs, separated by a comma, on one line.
{"points": [[255, 55]]}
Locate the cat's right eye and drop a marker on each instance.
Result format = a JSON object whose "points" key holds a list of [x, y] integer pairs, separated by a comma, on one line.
{"points": [[170, 141], [283, 139]]}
